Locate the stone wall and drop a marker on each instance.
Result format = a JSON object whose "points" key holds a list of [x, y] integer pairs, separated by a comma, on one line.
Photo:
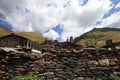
{"points": [[65, 64]]}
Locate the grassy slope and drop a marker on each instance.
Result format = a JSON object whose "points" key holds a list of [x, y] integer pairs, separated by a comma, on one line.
{"points": [[99, 36], [4, 30], [34, 36]]}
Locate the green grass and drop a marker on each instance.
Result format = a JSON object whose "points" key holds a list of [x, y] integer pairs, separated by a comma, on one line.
{"points": [[28, 77], [114, 77], [98, 37]]}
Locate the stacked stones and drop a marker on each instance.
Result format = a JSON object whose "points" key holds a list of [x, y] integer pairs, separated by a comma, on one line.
{"points": [[70, 65], [17, 64], [62, 63]]}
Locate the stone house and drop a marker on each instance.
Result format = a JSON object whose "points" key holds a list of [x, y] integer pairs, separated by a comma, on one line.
{"points": [[15, 40]]}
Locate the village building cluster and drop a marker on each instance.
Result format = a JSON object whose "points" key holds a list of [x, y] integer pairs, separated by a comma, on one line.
{"points": [[57, 60]]}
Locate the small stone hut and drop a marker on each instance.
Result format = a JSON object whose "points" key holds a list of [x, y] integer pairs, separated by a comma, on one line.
{"points": [[15, 40]]}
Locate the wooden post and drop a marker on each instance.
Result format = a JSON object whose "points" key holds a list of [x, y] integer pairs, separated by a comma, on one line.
{"points": [[27, 44]]}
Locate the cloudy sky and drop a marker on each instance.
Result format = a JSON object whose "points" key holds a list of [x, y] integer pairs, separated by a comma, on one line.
{"points": [[59, 19]]}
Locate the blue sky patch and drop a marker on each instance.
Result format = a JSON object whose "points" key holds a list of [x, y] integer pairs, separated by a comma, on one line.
{"points": [[2, 17], [113, 10], [84, 2], [115, 2], [59, 30], [98, 23], [4, 23]]}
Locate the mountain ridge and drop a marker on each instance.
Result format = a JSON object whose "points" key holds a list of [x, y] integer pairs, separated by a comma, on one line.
{"points": [[98, 36], [105, 29]]}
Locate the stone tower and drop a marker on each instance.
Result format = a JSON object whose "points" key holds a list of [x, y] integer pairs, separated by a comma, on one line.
{"points": [[71, 39]]}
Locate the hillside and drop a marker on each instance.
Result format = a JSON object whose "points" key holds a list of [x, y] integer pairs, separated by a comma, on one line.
{"points": [[4, 29], [98, 36], [33, 36]]}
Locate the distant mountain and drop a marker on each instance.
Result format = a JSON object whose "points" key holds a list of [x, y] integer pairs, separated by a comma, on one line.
{"points": [[33, 36], [98, 36]]}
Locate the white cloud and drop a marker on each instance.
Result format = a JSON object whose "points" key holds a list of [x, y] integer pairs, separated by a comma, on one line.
{"points": [[46, 14], [51, 34], [79, 19], [118, 5], [111, 21]]}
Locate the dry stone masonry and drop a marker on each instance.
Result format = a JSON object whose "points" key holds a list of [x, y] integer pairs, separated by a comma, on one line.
{"points": [[60, 61]]}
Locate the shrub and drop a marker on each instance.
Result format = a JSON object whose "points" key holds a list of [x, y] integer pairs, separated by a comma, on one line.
{"points": [[114, 77], [98, 78]]}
